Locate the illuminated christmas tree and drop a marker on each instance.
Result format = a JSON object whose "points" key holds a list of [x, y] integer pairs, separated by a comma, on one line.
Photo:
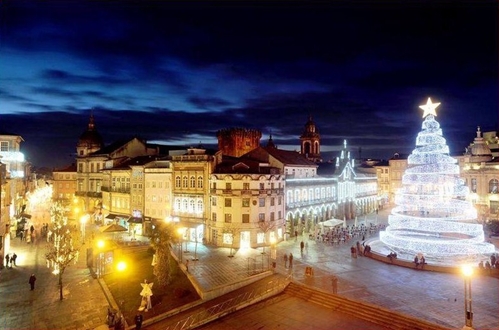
{"points": [[432, 215]]}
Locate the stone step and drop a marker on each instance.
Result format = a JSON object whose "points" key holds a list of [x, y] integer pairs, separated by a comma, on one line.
{"points": [[368, 312]]}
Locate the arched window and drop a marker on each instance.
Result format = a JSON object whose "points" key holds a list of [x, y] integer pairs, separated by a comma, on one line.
{"points": [[493, 186], [184, 182], [193, 182], [191, 206], [200, 182], [289, 197], [177, 204], [200, 206], [184, 205], [177, 181], [297, 196]]}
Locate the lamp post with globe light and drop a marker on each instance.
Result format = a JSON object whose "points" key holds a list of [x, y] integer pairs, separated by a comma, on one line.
{"points": [[181, 232], [100, 246], [468, 311]]}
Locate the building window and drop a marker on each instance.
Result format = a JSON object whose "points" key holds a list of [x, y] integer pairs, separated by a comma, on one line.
{"points": [[184, 205], [473, 185], [200, 206], [200, 182], [493, 186], [279, 215], [227, 238], [260, 238], [177, 182], [246, 202], [272, 201], [191, 205], [4, 146], [261, 202], [214, 216], [262, 186], [228, 186], [246, 218], [279, 201], [228, 218], [261, 217], [272, 216], [214, 201], [184, 182], [228, 202], [193, 182], [246, 186]]}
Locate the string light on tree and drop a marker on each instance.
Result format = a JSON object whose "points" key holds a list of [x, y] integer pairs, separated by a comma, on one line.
{"points": [[432, 215]]}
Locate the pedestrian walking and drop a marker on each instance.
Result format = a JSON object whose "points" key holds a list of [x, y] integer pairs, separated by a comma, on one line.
{"points": [[7, 260], [21, 235], [187, 265], [32, 280], [139, 318], [302, 245], [334, 282], [291, 260], [13, 259], [285, 260]]}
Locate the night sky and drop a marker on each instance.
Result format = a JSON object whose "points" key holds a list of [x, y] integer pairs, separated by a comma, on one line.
{"points": [[176, 73]]}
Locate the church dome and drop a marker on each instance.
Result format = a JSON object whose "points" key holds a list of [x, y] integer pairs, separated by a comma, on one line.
{"points": [[479, 150], [90, 138]]}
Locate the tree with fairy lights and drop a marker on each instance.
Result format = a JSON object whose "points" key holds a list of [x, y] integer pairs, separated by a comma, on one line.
{"points": [[62, 240], [163, 237], [432, 216]]}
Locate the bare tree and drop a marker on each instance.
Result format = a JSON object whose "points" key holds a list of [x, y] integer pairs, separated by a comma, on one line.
{"points": [[61, 249], [234, 231], [265, 227]]}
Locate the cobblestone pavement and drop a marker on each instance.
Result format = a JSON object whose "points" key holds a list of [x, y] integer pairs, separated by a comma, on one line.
{"points": [[84, 305], [435, 297]]}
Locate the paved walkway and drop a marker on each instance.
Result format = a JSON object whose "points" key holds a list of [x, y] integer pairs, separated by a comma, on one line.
{"points": [[84, 305], [435, 297]]}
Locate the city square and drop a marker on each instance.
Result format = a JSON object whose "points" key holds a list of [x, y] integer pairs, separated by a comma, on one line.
{"points": [[170, 165]]}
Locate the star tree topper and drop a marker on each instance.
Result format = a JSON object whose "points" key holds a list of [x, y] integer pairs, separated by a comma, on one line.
{"points": [[429, 108]]}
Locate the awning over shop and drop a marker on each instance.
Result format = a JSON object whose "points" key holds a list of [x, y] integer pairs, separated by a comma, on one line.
{"points": [[112, 216], [135, 220], [189, 224]]}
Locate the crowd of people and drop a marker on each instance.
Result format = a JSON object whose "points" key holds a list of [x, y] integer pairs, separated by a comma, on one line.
{"points": [[338, 234], [488, 266]]}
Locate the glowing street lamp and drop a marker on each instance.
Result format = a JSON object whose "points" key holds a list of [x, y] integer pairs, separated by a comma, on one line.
{"points": [[121, 267], [468, 311]]}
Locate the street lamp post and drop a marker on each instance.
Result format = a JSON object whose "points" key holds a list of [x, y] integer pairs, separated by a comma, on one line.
{"points": [[468, 311], [121, 266], [100, 246], [83, 222], [180, 232]]}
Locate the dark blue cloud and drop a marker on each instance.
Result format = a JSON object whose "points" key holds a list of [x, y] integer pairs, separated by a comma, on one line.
{"points": [[178, 72]]}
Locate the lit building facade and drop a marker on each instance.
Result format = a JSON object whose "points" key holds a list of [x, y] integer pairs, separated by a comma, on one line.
{"points": [[247, 203], [12, 187], [191, 193], [480, 171]]}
